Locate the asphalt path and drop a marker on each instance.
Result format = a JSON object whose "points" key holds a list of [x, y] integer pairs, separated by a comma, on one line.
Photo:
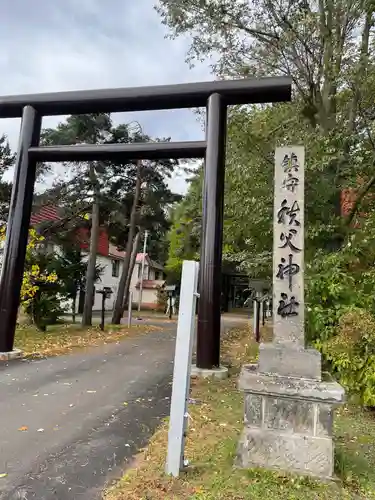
{"points": [[69, 425]]}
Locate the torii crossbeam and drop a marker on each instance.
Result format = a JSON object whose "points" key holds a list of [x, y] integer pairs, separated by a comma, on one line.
{"points": [[216, 96]]}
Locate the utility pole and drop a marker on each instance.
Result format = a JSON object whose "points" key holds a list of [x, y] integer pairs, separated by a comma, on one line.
{"points": [[142, 270]]}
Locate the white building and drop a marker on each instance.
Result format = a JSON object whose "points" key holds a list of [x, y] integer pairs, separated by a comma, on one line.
{"points": [[110, 259], [153, 278]]}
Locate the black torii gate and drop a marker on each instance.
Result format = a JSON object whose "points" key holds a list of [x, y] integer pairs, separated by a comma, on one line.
{"points": [[216, 96]]}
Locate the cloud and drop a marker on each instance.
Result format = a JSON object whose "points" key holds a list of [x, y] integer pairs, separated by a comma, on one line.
{"points": [[67, 45]]}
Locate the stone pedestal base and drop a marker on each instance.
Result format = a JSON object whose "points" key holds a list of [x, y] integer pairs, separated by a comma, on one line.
{"points": [[9, 356], [288, 423], [219, 373]]}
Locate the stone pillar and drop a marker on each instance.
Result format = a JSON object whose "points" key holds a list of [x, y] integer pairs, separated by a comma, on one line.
{"points": [[288, 408]]}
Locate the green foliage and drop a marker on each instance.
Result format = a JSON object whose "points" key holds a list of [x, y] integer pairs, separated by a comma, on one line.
{"points": [[351, 353], [340, 310], [329, 291], [6, 161], [184, 236], [45, 307], [44, 304], [253, 134], [71, 271]]}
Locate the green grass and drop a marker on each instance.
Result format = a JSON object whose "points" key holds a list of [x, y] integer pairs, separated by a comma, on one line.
{"points": [[213, 435], [355, 447], [65, 338]]}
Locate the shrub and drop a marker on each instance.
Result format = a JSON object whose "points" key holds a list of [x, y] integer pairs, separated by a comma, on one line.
{"points": [[329, 291], [340, 314], [351, 353]]}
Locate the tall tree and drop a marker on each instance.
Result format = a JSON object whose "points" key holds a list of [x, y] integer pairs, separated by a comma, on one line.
{"points": [[133, 260], [88, 180], [118, 309], [325, 46], [150, 199], [6, 162], [123, 197]]}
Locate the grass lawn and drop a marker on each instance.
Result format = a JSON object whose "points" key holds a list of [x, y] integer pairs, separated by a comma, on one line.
{"points": [[62, 339], [215, 426]]}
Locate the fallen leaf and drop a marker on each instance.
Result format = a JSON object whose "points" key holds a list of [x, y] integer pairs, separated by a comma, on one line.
{"points": [[3, 475], [125, 403], [23, 428], [40, 430], [90, 392]]}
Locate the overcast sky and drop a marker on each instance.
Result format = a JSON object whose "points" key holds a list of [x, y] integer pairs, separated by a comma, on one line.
{"points": [[53, 45]]}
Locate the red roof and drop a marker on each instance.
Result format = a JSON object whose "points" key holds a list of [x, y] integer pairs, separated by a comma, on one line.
{"points": [[51, 213], [105, 248], [44, 214]]}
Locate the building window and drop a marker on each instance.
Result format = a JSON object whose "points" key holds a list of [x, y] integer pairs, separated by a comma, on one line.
{"points": [[145, 272], [116, 268]]}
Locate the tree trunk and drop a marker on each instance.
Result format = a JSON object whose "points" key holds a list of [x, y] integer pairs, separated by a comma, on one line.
{"points": [[91, 264], [133, 259], [74, 303], [118, 309]]}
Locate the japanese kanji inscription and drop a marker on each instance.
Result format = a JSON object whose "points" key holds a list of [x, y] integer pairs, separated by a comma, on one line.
{"points": [[288, 253]]}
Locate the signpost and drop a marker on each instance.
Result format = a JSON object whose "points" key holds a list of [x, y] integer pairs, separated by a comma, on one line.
{"points": [[105, 293], [182, 367]]}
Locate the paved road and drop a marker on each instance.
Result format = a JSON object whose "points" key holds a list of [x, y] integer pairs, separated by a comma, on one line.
{"points": [[84, 416]]}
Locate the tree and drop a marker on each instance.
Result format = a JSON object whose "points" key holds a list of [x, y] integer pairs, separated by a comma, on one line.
{"points": [[150, 198], [88, 179], [184, 236], [71, 271], [253, 134], [44, 306], [6, 162], [122, 197], [325, 46], [118, 308], [37, 277], [133, 260]]}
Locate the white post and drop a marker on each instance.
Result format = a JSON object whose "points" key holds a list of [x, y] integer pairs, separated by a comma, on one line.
{"points": [[182, 368], [142, 270], [130, 305]]}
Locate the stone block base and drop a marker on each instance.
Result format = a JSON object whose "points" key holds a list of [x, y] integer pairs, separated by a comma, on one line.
{"points": [[297, 362], [288, 423], [287, 452], [219, 373], [11, 355]]}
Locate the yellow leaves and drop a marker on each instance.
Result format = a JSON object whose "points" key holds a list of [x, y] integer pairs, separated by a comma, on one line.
{"points": [[35, 270], [29, 288], [24, 428], [52, 278]]}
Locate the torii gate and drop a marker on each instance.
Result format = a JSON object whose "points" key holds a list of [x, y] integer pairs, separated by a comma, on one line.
{"points": [[216, 96]]}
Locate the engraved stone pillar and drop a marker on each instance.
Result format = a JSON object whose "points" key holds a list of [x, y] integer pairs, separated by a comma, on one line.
{"points": [[288, 409]]}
